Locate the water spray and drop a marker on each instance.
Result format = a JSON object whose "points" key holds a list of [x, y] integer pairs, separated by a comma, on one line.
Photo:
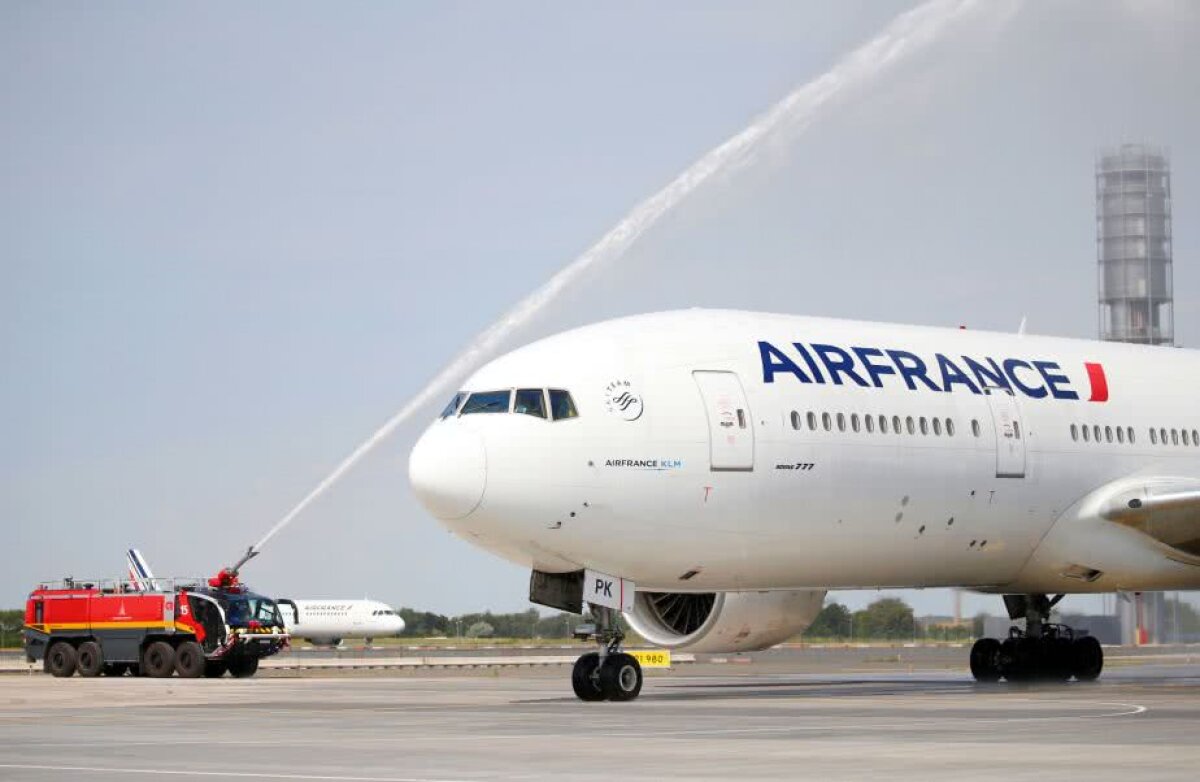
{"points": [[907, 34]]}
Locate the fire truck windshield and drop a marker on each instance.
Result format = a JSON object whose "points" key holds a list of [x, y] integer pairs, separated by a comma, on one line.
{"points": [[243, 609]]}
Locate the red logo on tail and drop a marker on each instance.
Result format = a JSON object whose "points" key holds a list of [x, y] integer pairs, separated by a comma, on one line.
{"points": [[1099, 382]]}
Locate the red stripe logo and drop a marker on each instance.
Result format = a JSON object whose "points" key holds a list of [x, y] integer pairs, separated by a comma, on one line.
{"points": [[1099, 382]]}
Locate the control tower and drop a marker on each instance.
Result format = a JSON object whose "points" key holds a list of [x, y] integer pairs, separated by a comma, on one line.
{"points": [[1133, 250], [1133, 245]]}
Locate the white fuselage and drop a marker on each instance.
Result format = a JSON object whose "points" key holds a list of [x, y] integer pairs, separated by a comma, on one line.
{"points": [[715, 478], [328, 621]]}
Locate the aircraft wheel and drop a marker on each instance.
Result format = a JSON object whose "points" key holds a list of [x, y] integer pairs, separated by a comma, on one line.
{"points": [[89, 659], [985, 660], [1058, 659], [584, 680], [621, 677], [1087, 658], [60, 660], [158, 661], [1024, 659], [189, 660]]}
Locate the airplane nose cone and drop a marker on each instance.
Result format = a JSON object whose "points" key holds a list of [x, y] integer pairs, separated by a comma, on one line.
{"points": [[448, 471]]}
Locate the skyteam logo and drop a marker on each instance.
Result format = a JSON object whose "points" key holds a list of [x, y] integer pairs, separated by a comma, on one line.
{"points": [[868, 366], [622, 400]]}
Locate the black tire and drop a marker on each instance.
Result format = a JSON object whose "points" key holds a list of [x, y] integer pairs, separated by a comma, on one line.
{"points": [[583, 681], [158, 660], [60, 660], [1023, 657], [985, 660], [243, 667], [89, 659], [214, 669], [189, 660], [621, 677], [1058, 659], [1087, 658]]}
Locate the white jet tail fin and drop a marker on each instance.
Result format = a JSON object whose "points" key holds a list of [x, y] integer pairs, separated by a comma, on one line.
{"points": [[139, 572]]}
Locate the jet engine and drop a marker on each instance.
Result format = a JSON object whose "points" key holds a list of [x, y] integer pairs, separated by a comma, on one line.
{"points": [[723, 621]]}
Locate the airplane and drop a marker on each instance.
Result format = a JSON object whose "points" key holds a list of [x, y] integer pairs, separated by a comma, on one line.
{"points": [[330, 621], [712, 473]]}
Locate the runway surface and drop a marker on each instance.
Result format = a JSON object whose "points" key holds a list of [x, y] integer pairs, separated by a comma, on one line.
{"points": [[701, 721]]}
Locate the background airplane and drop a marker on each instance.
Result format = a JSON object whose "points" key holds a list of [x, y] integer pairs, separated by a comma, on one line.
{"points": [[332, 621]]}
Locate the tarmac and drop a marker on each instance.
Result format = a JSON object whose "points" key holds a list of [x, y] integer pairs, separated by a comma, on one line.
{"points": [[849, 713]]}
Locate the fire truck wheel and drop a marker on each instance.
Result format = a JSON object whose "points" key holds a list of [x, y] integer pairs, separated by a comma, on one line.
{"points": [[89, 659], [243, 667], [214, 670], [189, 660], [158, 661], [60, 660]]}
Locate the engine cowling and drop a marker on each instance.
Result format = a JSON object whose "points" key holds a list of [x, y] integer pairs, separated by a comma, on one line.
{"points": [[723, 621]]}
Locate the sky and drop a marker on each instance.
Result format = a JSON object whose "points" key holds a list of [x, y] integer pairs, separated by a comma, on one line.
{"points": [[235, 240]]}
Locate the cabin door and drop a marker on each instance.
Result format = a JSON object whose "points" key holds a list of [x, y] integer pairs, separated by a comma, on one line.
{"points": [[730, 428], [1010, 434]]}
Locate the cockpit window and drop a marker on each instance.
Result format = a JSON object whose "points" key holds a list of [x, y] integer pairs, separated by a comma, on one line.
{"points": [[561, 405], [452, 408], [530, 401], [487, 402]]}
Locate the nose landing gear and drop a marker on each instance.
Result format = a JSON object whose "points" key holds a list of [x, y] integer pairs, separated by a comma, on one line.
{"points": [[1041, 652], [609, 674]]}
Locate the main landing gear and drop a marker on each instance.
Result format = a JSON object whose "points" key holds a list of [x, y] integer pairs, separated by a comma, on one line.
{"points": [[609, 674], [1041, 652]]}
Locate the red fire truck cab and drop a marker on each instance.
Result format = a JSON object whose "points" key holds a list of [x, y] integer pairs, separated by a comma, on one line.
{"points": [[188, 627]]}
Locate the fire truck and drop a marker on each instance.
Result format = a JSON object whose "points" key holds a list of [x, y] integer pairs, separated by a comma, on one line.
{"points": [[151, 627]]}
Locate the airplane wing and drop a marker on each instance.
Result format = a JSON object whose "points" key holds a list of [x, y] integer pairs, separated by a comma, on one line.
{"points": [[1166, 509]]}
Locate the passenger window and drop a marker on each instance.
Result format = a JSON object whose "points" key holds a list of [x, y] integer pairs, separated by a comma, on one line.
{"points": [[741, 415], [452, 408], [1162, 435], [841, 419], [826, 421], [949, 427], [1174, 437], [910, 425], [795, 420], [1096, 432], [896, 425], [1074, 432], [1108, 434], [1129, 435], [1184, 436], [975, 426], [561, 405], [812, 420], [1120, 435], [530, 401], [937, 427], [854, 421], [487, 402], [1195, 438], [1087, 434], [883, 424], [869, 421], [924, 426], [1153, 437]]}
